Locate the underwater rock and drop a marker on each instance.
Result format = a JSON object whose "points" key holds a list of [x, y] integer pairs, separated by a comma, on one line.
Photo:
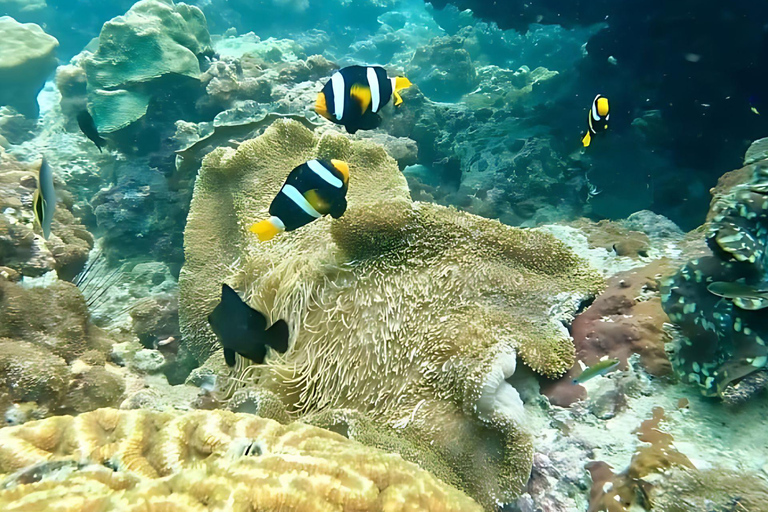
{"points": [[212, 460], [147, 61], [721, 339], [27, 57], [434, 303], [711, 489], [443, 69]]}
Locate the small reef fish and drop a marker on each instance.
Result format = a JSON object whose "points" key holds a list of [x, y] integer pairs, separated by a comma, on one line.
{"points": [[312, 190], [597, 120], [355, 94], [88, 127], [601, 368], [743, 295], [243, 330], [44, 199]]}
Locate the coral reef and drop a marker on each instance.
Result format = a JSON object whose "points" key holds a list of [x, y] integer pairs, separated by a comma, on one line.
{"points": [[629, 489], [27, 57], [710, 489], [627, 318], [147, 62], [207, 460], [436, 304], [20, 248], [720, 340]]}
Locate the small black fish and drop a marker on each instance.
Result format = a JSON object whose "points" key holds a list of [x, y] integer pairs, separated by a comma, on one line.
{"points": [[88, 127], [243, 330]]}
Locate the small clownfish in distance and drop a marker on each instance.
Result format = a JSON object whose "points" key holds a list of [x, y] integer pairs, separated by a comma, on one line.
{"points": [[598, 119], [313, 189], [354, 95]]}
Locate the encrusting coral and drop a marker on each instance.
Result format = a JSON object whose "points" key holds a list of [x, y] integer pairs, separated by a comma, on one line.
{"points": [[410, 313], [206, 460]]}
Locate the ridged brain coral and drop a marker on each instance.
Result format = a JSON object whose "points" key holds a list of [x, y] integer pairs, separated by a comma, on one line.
{"points": [[205, 460], [411, 313]]}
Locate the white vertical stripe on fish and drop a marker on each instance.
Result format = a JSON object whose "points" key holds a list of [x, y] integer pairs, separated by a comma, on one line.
{"points": [[324, 173], [595, 116], [338, 95], [295, 196], [373, 83]]}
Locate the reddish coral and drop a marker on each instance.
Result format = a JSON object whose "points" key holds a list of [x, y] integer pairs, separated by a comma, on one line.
{"points": [[626, 319]]}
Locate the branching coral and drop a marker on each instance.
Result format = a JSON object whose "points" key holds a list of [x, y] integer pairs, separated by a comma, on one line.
{"points": [[410, 313], [207, 460], [720, 339]]}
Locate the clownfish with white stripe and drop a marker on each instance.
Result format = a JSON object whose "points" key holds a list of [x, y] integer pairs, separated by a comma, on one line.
{"points": [[598, 119], [312, 190], [354, 96]]}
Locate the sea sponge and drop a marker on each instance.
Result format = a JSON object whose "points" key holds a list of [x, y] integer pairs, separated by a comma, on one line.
{"points": [[207, 460], [27, 57], [411, 313]]}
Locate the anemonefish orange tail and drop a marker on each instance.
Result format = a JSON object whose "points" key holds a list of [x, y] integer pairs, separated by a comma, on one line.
{"points": [[400, 83], [587, 140], [267, 229]]}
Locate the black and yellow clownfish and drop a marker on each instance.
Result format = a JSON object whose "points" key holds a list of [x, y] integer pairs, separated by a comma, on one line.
{"points": [[354, 95], [598, 119], [312, 190]]}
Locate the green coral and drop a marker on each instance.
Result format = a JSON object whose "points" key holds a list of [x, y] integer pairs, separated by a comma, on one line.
{"points": [[154, 39], [411, 313]]}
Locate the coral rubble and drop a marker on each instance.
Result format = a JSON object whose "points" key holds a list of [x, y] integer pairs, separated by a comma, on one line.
{"points": [[206, 460]]}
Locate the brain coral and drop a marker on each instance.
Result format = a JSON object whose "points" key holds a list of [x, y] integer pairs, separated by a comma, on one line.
{"points": [[411, 313], [206, 460]]}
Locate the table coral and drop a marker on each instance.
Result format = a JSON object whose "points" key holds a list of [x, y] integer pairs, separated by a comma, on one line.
{"points": [[407, 312], [27, 57], [720, 340], [206, 460]]}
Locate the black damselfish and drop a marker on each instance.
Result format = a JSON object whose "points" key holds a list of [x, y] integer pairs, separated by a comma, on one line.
{"points": [[243, 330], [88, 127], [355, 94]]}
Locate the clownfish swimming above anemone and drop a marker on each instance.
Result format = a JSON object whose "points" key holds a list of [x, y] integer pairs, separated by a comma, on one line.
{"points": [[311, 190], [598, 119], [354, 96]]}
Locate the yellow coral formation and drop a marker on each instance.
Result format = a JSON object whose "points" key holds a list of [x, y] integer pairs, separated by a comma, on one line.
{"points": [[207, 460], [410, 313]]}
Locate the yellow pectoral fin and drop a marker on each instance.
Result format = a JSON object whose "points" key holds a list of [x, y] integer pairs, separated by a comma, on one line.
{"points": [[318, 203], [587, 139], [362, 94], [398, 98]]}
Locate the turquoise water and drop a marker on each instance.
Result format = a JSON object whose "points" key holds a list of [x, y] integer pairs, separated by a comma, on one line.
{"points": [[495, 254]]}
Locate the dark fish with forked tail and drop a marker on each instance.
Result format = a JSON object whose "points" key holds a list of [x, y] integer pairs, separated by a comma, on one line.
{"points": [[88, 127], [243, 330]]}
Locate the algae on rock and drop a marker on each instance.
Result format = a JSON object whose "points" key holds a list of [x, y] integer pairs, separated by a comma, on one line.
{"points": [[410, 313]]}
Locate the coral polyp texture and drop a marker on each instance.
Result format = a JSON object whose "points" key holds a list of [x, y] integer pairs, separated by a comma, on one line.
{"points": [[410, 313], [722, 339], [206, 460]]}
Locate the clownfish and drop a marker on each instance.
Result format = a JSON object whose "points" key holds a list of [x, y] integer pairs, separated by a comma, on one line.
{"points": [[354, 95], [598, 119], [312, 190]]}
